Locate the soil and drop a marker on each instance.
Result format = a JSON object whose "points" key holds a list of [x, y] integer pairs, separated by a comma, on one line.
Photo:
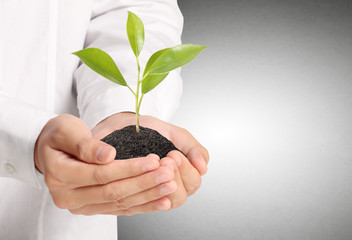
{"points": [[130, 144]]}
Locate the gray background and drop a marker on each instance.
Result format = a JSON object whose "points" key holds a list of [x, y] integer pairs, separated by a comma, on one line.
{"points": [[271, 99]]}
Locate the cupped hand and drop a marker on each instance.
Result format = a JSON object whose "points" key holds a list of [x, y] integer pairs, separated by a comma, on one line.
{"points": [[83, 177], [188, 167]]}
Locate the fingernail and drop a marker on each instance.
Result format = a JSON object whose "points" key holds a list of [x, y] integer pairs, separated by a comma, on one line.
{"points": [[103, 153], [163, 178]]}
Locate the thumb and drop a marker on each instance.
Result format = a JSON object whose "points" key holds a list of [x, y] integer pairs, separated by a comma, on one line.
{"points": [[94, 151], [72, 136], [90, 150]]}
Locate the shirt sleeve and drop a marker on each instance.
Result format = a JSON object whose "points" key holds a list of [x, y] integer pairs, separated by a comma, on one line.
{"points": [[99, 98], [20, 126]]}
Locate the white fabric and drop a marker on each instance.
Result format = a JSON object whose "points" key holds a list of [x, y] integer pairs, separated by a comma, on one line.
{"points": [[40, 78]]}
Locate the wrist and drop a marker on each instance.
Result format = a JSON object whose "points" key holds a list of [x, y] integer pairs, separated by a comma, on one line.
{"points": [[36, 155]]}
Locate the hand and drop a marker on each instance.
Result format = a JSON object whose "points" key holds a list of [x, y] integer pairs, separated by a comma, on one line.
{"points": [[188, 169], [82, 176]]}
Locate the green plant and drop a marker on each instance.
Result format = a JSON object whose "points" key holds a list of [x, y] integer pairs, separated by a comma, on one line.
{"points": [[156, 70]]}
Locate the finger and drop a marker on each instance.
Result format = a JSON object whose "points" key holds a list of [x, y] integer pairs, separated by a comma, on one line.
{"points": [[190, 176], [72, 136], [199, 157], [183, 139], [121, 189], [147, 196], [91, 174], [162, 204], [178, 197], [180, 137], [129, 202], [91, 150], [195, 152]]}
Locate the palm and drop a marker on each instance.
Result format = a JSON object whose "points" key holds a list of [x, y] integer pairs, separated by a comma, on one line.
{"points": [[180, 137]]}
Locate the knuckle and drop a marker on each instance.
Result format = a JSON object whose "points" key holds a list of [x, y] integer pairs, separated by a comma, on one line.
{"points": [[182, 202], [58, 170], [49, 182], [58, 123], [100, 175], [141, 184], [173, 164], [59, 129], [70, 204], [84, 147], [61, 203], [179, 201], [74, 211], [112, 192], [195, 186], [52, 183], [66, 116], [170, 165], [164, 171], [87, 214], [80, 212], [121, 205], [147, 197]]}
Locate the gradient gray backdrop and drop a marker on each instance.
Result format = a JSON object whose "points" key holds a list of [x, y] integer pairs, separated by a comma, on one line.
{"points": [[271, 98]]}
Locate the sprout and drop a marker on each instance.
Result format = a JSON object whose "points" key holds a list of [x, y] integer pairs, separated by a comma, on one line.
{"points": [[156, 70]]}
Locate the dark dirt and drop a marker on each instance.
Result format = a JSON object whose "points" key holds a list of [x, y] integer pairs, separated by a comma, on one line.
{"points": [[130, 144]]}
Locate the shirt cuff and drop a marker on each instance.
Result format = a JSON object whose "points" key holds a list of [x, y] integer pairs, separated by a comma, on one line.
{"points": [[17, 157]]}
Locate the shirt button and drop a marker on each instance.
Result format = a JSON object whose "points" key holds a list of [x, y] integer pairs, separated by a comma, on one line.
{"points": [[9, 168]]}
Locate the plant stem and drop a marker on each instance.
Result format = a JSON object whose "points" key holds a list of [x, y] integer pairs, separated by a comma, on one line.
{"points": [[137, 96], [131, 90], [140, 101]]}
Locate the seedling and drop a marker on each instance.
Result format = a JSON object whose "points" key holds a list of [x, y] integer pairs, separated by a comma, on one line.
{"points": [[156, 70]]}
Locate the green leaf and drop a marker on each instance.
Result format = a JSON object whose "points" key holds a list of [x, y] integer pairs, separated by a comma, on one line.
{"points": [[101, 62], [174, 57], [152, 60], [135, 33], [151, 81]]}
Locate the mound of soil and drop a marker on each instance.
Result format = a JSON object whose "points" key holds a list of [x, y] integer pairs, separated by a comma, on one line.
{"points": [[130, 144]]}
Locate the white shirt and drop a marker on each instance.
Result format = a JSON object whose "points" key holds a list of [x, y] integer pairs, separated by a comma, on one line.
{"points": [[40, 78]]}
